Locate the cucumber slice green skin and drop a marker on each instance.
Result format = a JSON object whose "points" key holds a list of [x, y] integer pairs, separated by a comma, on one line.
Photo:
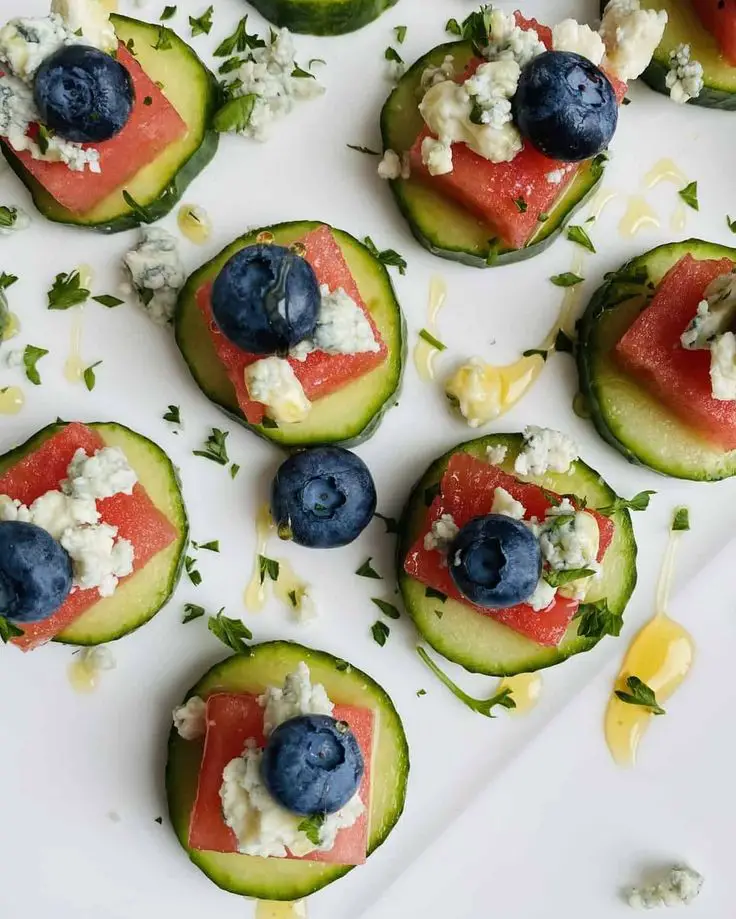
{"points": [[158, 196], [625, 415], [477, 642], [347, 417], [443, 227], [322, 17], [133, 604], [268, 664]]}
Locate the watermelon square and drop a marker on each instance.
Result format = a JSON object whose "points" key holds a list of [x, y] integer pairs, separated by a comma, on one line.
{"points": [[149, 131], [466, 491], [719, 18], [135, 516], [321, 373], [650, 350], [232, 719]]}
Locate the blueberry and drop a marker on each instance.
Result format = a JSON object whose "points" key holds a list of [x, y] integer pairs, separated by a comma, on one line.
{"points": [[323, 498], [266, 298], [495, 561], [35, 572], [312, 764], [565, 106], [83, 95]]}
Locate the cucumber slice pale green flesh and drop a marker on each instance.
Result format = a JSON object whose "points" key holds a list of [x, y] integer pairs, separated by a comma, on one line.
{"points": [[322, 17], [623, 411], [442, 226], [346, 417], [267, 665], [477, 642], [141, 596], [194, 92]]}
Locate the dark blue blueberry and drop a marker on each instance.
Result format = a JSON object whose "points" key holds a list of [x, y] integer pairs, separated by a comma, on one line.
{"points": [[83, 94], [495, 561], [565, 106], [323, 498], [266, 299], [35, 572], [312, 764]]}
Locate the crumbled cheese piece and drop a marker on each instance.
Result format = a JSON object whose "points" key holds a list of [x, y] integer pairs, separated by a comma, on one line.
{"points": [[478, 390], [685, 77], [90, 20], [556, 176], [631, 36], [56, 513], [570, 35], [12, 510], [723, 367], [572, 544], [509, 42], [543, 595], [393, 166], [437, 156], [26, 43], [272, 382], [709, 330], [438, 74], [441, 534], [342, 328], [99, 559], [504, 503], [18, 220], [496, 454], [190, 718], [679, 888], [491, 89], [298, 696], [545, 451], [14, 358], [157, 272], [103, 475]]}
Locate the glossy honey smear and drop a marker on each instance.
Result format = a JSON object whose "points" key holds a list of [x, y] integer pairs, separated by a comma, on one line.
{"points": [[425, 354], [281, 909], [194, 223], [526, 689], [599, 203], [12, 327], [661, 655], [86, 669], [74, 365], [665, 170], [638, 216], [12, 400]]}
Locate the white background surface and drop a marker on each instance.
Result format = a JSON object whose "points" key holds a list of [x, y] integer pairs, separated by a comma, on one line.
{"points": [[554, 825]]}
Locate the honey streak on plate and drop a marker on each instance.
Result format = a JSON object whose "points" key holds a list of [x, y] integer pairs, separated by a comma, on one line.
{"points": [[526, 688], [12, 327], [288, 587], [194, 223], [281, 909], [424, 353], [661, 655], [12, 400]]}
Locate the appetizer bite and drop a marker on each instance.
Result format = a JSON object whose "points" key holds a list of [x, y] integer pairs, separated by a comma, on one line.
{"points": [[286, 768], [657, 360], [491, 143], [514, 554], [326, 17], [295, 331], [104, 118], [92, 534]]}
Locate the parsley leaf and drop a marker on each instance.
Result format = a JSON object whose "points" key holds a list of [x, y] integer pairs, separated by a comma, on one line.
{"points": [[640, 694], [301, 74], [194, 576], [173, 415], [192, 612], [563, 343], [31, 356], [213, 546], [231, 632], [476, 28], [366, 150], [597, 620], [7, 280], [388, 609], [536, 352], [566, 279], [168, 13], [391, 54], [400, 33], [521, 205], [268, 567], [689, 195], [163, 41], [421, 692], [89, 377], [311, 827], [388, 257], [453, 27], [639, 502], [8, 630], [433, 594], [366, 570], [239, 41], [202, 25], [391, 523], [108, 300], [431, 340], [560, 578], [234, 470], [141, 212], [8, 216], [234, 114], [215, 448], [380, 632], [482, 706], [494, 250], [342, 665], [67, 291], [681, 520], [580, 236], [731, 223]]}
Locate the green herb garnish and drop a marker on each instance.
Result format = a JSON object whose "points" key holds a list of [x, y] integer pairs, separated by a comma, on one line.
{"points": [[431, 340], [380, 632], [239, 41], [689, 195], [108, 300], [681, 520], [400, 33], [163, 40], [731, 224], [173, 415], [640, 694], [89, 377], [67, 291], [168, 13], [234, 470], [202, 25], [563, 343], [342, 665], [421, 692], [366, 570], [148, 100], [391, 523], [536, 352], [268, 567], [231, 632], [193, 574], [482, 706], [8, 630], [597, 620], [212, 546], [300, 73], [388, 257], [579, 235], [311, 827], [215, 448], [639, 502], [192, 612], [366, 150], [566, 279], [141, 212], [8, 216], [31, 356], [521, 205], [7, 280], [234, 114], [453, 27], [560, 578], [433, 594], [388, 609], [391, 54]]}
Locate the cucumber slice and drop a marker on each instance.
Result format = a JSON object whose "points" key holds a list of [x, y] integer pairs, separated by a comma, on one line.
{"points": [[194, 92], [268, 664], [623, 411], [477, 642], [346, 417], [322, 17], [443, 227], [141, 596]]}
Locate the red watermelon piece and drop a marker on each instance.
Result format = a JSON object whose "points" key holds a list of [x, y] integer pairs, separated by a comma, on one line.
{"points": [[719, 18], [149, 131], [232, 719], [135, 516], [320, 374], [489, 190], [651, 351], [466, 491]]}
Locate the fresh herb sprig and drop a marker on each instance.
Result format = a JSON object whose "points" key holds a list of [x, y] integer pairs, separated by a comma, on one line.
{"points": [[639, 502], [485, 707], [388, 257], [640, 694], [215, 448], [67, 291], [231, 632]]}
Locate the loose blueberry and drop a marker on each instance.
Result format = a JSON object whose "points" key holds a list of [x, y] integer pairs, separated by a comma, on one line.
{"points": [[565, 106], [495, 561], [323, 498], [265, 300], [312, 764], [83, 95], [35, 572]]}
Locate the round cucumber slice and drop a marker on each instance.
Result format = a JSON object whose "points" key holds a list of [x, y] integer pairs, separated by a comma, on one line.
{"points": [[267, 665], [348, 416], [140, 597], [322, 17], [624, 413], [477, 642], [443, 227], [157, 188]]}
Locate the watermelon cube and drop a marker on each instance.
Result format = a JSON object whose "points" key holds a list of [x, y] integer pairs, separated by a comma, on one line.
{"points": [[719, 18], [650, 350], [232, 719]]}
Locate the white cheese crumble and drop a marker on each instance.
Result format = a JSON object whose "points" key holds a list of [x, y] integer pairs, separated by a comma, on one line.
{"points": [[272, 382], [18, 219], [190, 719], [631, 36], [709, 330], [572, 544], [438, 74], [441, 534], [545, 451], [393, 166], [342, 328], [99, 559], [298, 696], [504, 503], [723, 367], [26, 43], [496, 454], [543, 595], [91, 19], [685, 77], [156, 272], [507, 41], [678, 888], [570, 35], [56, 513], [103, 475], [555, 177]]}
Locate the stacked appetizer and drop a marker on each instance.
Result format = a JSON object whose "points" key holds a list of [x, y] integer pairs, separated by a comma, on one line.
{"points": [[325, 17]]}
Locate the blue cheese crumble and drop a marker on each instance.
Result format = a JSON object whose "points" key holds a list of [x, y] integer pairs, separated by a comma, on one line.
{"points": [[190, 719], [544, 451], [709, 330], [685, 77], [156, 272], [342, 328], [679, 887], [441, 534], [631, 36], [570, 35], [272, 382]]}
